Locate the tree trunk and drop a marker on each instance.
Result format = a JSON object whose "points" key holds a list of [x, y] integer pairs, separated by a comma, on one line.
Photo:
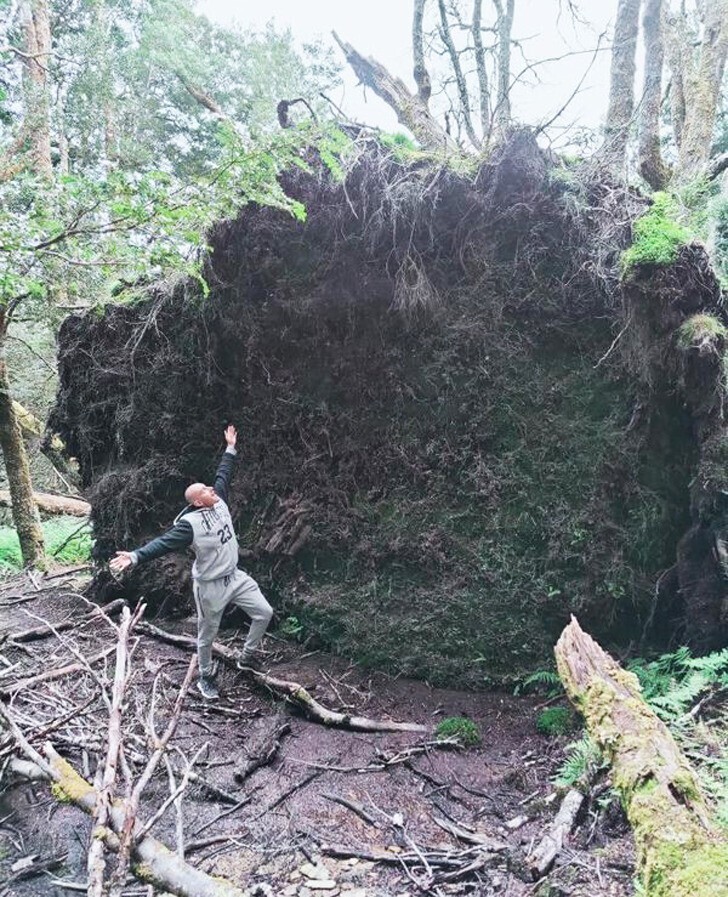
{"points": [[651, 166], [703, 92], [459, 76], [35, 25], [411, 109], [422, 76], [679, 60], [621, 88], [679, 851], [25, 511], [484, 89], [504, 26]]}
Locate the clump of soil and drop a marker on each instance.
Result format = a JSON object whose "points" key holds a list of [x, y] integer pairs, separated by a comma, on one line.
{"points": [[443, 453]]}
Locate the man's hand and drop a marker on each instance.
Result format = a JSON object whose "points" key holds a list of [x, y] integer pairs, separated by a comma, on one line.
{"points": [[121, 561], [231, 436]]}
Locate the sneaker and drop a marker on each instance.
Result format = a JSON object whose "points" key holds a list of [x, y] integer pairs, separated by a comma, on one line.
{"points": [[207, 688], [247, 662]]}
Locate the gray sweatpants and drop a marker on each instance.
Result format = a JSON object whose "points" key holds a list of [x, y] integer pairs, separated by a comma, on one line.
{"points": [[213, 596]]}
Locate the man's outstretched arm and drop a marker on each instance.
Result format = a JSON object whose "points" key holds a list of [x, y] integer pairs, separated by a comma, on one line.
{"points": [[225, 469], [176, 539]]}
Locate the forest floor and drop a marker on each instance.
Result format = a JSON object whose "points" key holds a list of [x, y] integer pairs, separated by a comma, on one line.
{"points": [[282, 825]]}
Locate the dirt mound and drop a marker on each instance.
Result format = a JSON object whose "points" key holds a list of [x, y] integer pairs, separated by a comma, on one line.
{"points": [[439, 457]]}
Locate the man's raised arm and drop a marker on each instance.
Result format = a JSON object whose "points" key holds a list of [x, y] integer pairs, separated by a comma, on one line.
{"points": [[225, 469]]}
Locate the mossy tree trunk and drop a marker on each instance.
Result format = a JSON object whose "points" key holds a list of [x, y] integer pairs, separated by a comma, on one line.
{"points": [[679, 851], [702, 87], [25, 512], [651, 166]]}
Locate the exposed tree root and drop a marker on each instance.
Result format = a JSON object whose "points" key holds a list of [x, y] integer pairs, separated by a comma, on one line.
{"points": [[679, 851]]}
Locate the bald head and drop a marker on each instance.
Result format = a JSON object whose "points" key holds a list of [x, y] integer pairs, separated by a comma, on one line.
{"points": [[200, 496]]}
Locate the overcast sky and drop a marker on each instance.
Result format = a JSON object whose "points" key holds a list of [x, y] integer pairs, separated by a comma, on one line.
{"points": [[382, 28]]}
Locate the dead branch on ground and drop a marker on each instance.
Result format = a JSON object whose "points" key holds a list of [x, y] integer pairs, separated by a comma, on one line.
{"points": [[291, 691]]}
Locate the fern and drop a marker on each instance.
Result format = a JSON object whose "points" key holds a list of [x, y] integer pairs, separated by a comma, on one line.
{"points": [[545, 680], [583, 760]]}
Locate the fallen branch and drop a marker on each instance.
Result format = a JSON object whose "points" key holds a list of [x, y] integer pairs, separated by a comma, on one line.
{"points": [[353, 806], [290, 691], [96, 861], [39, 632], [262, 748], [679, 850], [57, 673], [542, 857]]}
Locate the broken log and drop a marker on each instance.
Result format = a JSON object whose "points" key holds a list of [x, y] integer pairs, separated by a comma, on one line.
{"points": [[680, 852], [53, 504], [542, 857], [291, 691]]}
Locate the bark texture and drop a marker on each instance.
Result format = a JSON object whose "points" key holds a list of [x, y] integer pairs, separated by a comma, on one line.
{"points": [[35, 24], [651, 166], [504, 26], [621, 86], [679, 851], [25, 512], [704, 82]]}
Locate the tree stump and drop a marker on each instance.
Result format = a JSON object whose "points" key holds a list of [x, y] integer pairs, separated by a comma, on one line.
{"points": [[679, 851]]}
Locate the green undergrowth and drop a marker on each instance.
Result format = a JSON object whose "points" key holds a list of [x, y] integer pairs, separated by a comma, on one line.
{"points": [[657, 236], [555, 721], [67, 541], [688, 693], [457, 728]]}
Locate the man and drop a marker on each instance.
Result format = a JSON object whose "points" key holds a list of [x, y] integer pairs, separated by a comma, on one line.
{"points": [[206, 525]]}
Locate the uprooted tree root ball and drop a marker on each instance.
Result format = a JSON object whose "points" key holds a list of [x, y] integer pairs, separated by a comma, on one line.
{"points": [[452, 435]]}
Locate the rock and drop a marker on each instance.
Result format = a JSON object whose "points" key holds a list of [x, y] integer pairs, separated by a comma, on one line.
{"points": [[516, 822], [289, 891], [318, 872], [319, 884]]}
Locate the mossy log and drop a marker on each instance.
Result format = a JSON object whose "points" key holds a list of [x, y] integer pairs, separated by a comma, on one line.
{"points": [[679, 851]]}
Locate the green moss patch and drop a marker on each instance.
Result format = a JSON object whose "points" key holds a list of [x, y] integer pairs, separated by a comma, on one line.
{"points": [[699, 328], [460, 729], [657, 236]]}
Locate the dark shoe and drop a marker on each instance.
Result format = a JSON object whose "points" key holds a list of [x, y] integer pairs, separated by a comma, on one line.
{"points": [[207, 688], [248, 662]]}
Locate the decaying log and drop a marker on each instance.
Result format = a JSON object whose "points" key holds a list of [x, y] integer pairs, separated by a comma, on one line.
{"points": [[545, 852], [291, 691], [679, 850], [153, 862], [53, 504]]}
